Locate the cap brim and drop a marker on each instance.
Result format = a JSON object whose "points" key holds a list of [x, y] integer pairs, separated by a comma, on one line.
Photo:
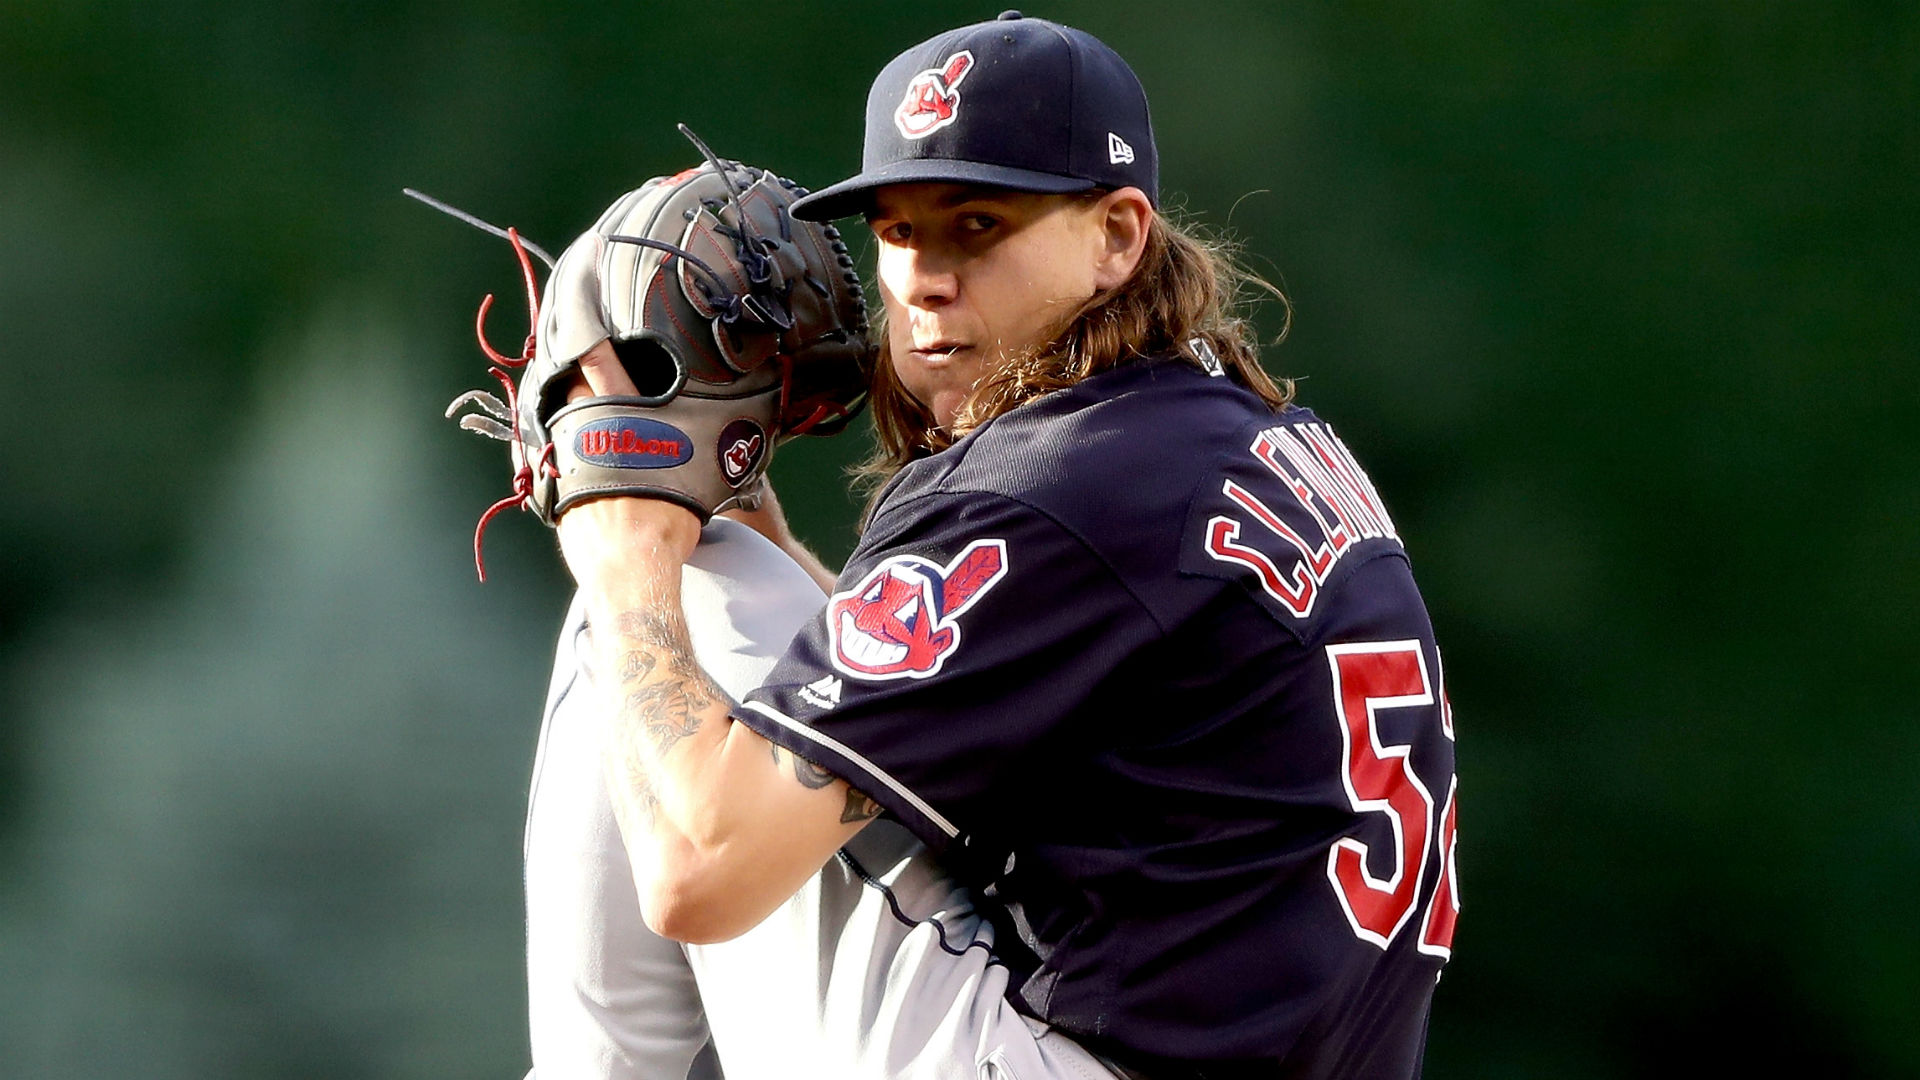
{"points": [[854, 196]]}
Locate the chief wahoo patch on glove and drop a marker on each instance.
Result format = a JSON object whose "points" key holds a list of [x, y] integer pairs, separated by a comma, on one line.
{"points": [[901, 621], [739, 326]]}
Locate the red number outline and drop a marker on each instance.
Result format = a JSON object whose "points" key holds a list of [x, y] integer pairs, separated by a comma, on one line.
{"points": [[1443, 907], [1369, 677]]}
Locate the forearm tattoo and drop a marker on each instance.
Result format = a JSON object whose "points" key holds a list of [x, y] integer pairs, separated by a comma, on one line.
{"points": [[665, 689], [637, 665], [663, 693]]}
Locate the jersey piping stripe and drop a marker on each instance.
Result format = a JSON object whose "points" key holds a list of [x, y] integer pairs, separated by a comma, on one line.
{"points": [[900, 915], [859, 762]]}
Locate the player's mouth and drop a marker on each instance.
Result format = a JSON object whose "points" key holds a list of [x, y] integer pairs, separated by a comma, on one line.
{"points": [[866, 650], [938, 352]]}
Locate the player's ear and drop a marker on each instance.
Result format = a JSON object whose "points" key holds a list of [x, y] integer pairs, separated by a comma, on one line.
{"points": [[1123, 216]]}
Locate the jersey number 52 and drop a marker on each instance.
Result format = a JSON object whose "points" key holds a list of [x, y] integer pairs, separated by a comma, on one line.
{"points": [[1369, 678]]}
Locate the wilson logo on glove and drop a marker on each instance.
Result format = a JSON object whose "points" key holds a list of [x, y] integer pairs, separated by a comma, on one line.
{"points": [[932, 100], [631, 442], [900, 622]]}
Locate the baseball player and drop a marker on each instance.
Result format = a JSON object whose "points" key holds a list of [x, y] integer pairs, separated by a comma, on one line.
{"points": [[1129, 640], [881, 966]]}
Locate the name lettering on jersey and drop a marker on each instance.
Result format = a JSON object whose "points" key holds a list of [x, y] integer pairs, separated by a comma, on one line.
{"points": [[823, 692], [900, 621], [1320, 474]]}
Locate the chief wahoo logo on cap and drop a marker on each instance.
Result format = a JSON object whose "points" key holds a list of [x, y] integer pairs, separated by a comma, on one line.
{"points": [[933, 97]]}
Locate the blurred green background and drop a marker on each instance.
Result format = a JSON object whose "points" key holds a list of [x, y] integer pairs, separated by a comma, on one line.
{"points": [[1617, 299]]}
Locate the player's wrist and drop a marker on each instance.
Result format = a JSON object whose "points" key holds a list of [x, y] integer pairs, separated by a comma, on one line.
{"points": [[612, 542], [660, 528]]}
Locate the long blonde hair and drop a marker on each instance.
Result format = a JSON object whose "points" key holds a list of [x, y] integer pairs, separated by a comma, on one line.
{"points": [[1188, 286]]}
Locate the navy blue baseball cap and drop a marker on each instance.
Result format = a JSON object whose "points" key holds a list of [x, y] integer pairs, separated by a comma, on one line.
{"points": [[1016, 103]]}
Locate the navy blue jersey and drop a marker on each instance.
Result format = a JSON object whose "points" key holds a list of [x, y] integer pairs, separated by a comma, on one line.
{"points": [[1146, 660]]}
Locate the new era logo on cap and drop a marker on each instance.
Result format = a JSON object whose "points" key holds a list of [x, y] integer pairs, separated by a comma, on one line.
{"points": [[1118, 152]]}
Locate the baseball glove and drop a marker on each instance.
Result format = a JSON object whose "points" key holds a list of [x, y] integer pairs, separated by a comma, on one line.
{"points": [[739, 326]]}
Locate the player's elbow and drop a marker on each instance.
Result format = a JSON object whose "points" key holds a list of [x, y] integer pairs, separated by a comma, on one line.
{"points": [[689, 924], [687, 899]]}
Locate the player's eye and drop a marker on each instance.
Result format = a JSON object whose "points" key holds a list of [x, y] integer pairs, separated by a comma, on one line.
{"points": [[892, 232], [977, 223]]}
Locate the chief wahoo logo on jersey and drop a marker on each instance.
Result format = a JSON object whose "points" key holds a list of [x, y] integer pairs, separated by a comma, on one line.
{"points": [[932, 100], [900, 622]]}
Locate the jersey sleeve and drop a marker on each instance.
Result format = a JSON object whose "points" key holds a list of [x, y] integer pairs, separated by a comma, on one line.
{"points": [[954, 662]]}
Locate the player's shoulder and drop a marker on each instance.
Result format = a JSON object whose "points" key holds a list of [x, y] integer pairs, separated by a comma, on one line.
{"points": [[1294, 518], [1120, 446], [1109, 468]]}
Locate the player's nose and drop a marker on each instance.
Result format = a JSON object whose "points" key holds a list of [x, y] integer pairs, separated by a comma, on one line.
{"points": [[924, 277]]}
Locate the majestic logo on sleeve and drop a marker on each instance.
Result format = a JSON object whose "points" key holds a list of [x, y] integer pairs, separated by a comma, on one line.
{"points": [[900, 622], [932, 100], [823, 692]]}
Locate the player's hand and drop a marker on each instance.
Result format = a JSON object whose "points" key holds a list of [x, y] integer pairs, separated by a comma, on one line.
{"points": [[604, 538]]}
